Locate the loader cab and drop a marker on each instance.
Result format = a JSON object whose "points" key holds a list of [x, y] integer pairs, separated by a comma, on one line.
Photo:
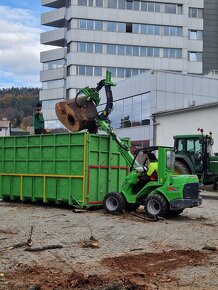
{"points": [[165, 157]]}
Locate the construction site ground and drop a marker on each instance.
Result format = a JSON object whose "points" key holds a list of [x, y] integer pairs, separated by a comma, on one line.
{"points": [[96, 250]]}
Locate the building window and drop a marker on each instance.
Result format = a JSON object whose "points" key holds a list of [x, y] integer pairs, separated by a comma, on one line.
{"points": [[172, 31], [99, 3], [172, 52], [90, 24], [111, 49], [111, 26], [81, 46], [194, 56], [54, 64], [195, 34], [98, 48], [112, 4], [82, 2], [53, 84], [87, 70], [98, 25], [129, 27], [173, 8], [195, 12]]}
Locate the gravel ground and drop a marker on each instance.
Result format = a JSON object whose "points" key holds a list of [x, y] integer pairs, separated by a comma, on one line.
{"points": [[166, 254]]}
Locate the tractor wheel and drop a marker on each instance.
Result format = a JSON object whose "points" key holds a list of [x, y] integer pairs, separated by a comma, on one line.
{"points": [[180, 168], [132, 206], [156, 205], [174, 213], [114, 202]]}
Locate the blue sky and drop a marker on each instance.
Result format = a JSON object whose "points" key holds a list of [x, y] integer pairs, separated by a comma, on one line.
{"points": [[20, 43]]}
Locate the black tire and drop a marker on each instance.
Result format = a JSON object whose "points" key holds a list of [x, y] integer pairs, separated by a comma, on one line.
{"points": [[180, 168], [114, 202], [215, 183], [156, 205], [132, 206], [174, 213]]}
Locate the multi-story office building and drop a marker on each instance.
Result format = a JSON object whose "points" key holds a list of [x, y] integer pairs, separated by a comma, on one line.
{"points": [[126, 37]]}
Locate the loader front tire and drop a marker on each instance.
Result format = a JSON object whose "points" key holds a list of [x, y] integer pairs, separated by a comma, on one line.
{"points": [[114, 202], [156, 205]]}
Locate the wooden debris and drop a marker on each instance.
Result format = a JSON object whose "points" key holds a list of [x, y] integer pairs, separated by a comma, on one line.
{"points": [[209, 248], [9, 232], [29, 241], [44, 248], [19, 245], [90, 244], [137, 249], [155, 219], [79, 210]]}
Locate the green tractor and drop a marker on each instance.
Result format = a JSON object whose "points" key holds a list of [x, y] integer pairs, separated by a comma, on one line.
{"points": [[169, 195], [194, 155]]}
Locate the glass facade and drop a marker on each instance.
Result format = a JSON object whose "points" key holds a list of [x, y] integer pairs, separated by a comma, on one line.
{"points": [[130, 112]]}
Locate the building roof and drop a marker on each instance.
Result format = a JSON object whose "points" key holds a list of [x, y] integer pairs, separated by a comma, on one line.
{"points": [[4, 123]]}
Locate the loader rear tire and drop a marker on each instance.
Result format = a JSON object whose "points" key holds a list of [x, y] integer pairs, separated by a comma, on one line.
{"points": [[114, 202], [180, 168], [156, 205]]}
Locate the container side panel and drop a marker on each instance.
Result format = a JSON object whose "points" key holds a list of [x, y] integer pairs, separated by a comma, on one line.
{"points": [[27, 188], [21, 141], [47, 167], [21, 153], [38, 188], [34, 153], [51, 188], [9, 166], [63, 190], [5, 186], [34, 140], [10, 141], [76, 192], [76, 168], [48, 153]]}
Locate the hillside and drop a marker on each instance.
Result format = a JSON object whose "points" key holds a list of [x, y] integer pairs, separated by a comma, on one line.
{"points": [[17, 105]]}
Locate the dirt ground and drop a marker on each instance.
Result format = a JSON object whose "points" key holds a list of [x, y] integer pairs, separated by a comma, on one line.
{"points": [[95, 250]]}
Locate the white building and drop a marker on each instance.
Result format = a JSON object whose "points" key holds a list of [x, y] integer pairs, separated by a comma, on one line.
{"points": [[5, 128], [126, 37], [158, 105]]}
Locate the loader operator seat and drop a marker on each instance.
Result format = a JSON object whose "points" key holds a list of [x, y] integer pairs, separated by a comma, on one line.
{"points": [[150, 175]]}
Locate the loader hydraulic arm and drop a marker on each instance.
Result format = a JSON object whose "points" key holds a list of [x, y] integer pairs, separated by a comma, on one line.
{"points": [[123, 148]]}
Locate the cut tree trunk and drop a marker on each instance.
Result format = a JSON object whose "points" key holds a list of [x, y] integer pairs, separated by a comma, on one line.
{"points": [[77, 116]]}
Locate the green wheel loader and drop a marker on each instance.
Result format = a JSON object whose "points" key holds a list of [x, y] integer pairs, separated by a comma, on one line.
{"points": [[169, 195]]}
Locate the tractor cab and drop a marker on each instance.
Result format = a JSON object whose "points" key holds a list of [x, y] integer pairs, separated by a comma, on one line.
{"points": [[190, 148], [193, 153]]}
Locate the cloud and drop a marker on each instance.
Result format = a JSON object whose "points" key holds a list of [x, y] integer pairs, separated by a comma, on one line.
{"points": [[19, 47]]}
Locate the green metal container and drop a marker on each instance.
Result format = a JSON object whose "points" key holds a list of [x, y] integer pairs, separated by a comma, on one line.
{"points": [[75, 168]]}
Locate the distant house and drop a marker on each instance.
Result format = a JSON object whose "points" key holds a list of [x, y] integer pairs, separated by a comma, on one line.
{"points": [[5, 128]]}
